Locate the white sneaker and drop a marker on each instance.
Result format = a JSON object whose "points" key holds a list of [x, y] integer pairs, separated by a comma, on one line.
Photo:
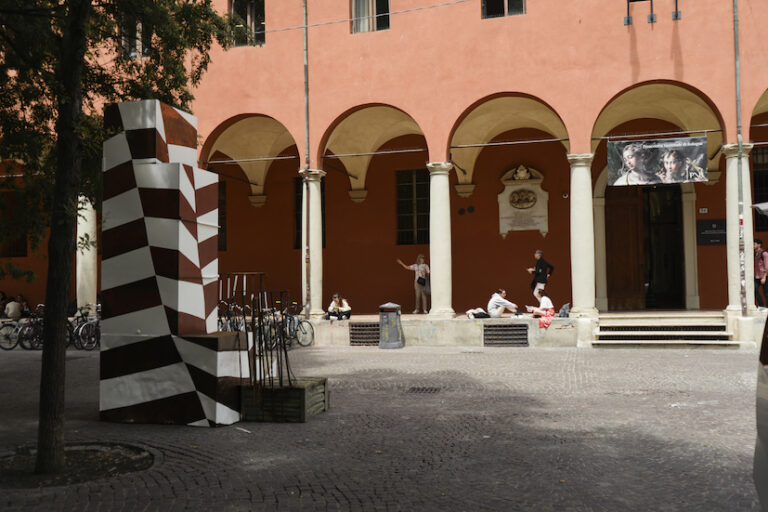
{"points": [[470, 314], [415, 311]]}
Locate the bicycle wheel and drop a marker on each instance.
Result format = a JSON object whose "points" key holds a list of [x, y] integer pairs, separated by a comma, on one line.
{"points": [[305, 333], [88, 336], [7, 341]]}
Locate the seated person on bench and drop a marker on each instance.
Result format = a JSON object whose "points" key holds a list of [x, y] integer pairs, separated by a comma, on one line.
{"points": [[499, 306], [338, 308], [545, 311]]}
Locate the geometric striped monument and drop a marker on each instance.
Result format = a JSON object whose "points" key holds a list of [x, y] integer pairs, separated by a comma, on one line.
{"points": [[160, 359]]}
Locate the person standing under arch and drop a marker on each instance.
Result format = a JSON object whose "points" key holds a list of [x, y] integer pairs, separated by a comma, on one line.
{"points": [[421, 274]]}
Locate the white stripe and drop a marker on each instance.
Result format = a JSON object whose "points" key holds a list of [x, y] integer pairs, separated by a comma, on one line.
{"points": [[188, 117], [140, 115], [197, 355], [121, 209], [204, 178], [151, 322], [170, 234], [218, 412], [212, 322], [147, 386], [126, 268], [157, 175], [182, 154], [183, 296], [199, 423], [186, 187], [116, 152]]}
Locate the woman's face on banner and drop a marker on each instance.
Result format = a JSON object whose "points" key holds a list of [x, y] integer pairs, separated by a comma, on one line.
{"points": [[630, 159], [671, 164]]}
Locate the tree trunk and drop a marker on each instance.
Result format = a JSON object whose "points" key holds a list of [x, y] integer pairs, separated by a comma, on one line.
{"points": [[61, 245]]}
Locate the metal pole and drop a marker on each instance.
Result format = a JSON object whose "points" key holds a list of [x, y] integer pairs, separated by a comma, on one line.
{"points": [[739, 170], [308, 290]]}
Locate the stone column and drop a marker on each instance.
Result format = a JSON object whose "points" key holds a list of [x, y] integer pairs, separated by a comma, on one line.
{"points": [[582, 237], [601, 283], [731, 152], [87, 259], [313, 178], [689, 246], [440, 239]]}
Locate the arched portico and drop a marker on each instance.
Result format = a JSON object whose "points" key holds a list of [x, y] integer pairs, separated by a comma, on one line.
{"points": [[251, 142], [647, 111]]}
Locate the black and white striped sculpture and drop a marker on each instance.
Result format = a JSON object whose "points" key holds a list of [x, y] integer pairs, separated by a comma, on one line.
{"points": [[160, 359]]}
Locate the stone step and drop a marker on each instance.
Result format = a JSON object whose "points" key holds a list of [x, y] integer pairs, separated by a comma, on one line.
{"points": [[657, 333], [646, 342]]}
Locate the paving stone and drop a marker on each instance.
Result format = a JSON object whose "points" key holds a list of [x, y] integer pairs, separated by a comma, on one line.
{"points": [[436, 429]]}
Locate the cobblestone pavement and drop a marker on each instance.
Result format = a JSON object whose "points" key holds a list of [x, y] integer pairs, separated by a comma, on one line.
{"points": [[436, 429]]}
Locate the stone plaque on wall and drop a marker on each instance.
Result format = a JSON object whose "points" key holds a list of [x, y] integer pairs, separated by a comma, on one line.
{"points": [[523, 204]]}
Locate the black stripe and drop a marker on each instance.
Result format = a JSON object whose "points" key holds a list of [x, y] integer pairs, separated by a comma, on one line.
{"points": [[118, 179], [175, 410], [130, 297], [124, 238], [139, 357], [224, 390]]}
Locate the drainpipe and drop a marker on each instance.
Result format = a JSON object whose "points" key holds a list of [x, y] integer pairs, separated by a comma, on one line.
{"points": [[308, 297], [739, 170]]}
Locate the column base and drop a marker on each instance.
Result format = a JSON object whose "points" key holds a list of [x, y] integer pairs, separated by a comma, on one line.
{"points": [[317, 314], [443, 313], [584, 313]]}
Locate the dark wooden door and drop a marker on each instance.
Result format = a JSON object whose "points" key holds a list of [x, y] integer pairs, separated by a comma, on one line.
{"points": [[624, 248], [663, 247]]}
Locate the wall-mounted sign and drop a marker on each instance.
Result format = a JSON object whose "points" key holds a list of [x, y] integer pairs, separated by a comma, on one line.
{"points": [[657, 161], [710, 232], [523, 203]]}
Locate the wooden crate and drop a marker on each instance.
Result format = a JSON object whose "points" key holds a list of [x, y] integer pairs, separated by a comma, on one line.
{"points": [[306, 397]]}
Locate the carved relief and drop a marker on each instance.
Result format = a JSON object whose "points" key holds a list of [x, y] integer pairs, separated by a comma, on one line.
{"points": [[523, 204]]}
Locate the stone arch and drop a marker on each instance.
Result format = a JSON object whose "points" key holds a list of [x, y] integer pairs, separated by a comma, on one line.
{"points": [[248, 141], [674, 102], [493, 115], [363, 130]]}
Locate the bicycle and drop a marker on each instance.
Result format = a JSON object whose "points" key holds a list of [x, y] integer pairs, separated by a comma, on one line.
{"points": [[9, 334], [297, 329]]}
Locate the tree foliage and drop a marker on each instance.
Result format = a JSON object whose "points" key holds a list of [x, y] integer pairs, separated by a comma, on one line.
{"points": [[61, 62], [174, 39]]}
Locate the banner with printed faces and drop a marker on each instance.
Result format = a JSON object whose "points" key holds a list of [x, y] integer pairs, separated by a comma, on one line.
{"points": [[657, 161]]}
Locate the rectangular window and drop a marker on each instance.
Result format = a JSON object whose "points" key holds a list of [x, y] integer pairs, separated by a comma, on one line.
{"points": [[11, 247], [248, 17], [369, 15], [412, 207], [298, 213], [136, 35], [222, 215], [760, 186], [498, 8]]}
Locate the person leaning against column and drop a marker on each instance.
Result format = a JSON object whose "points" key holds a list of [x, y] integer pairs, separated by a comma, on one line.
{"points": [[421, 274], [761, 271]]}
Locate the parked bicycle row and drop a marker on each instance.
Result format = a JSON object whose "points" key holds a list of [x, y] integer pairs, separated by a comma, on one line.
{"points": [[82, 331], [277, 321]]}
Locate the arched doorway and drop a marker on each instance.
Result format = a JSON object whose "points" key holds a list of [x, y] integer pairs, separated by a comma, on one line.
{"points": [[645, 236]]}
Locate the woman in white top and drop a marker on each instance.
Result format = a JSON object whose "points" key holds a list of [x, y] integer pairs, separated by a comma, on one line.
{"points": [[546, 310], [420, 276], [499, 306], [338, 308]]}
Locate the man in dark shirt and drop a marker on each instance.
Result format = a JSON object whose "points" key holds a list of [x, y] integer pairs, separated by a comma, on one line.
{"points": [[540, 273]]}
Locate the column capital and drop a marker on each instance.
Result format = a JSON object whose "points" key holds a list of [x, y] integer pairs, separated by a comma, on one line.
{"points": [[438, 168], [583, 159], [312, 174], [732, 150]]}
